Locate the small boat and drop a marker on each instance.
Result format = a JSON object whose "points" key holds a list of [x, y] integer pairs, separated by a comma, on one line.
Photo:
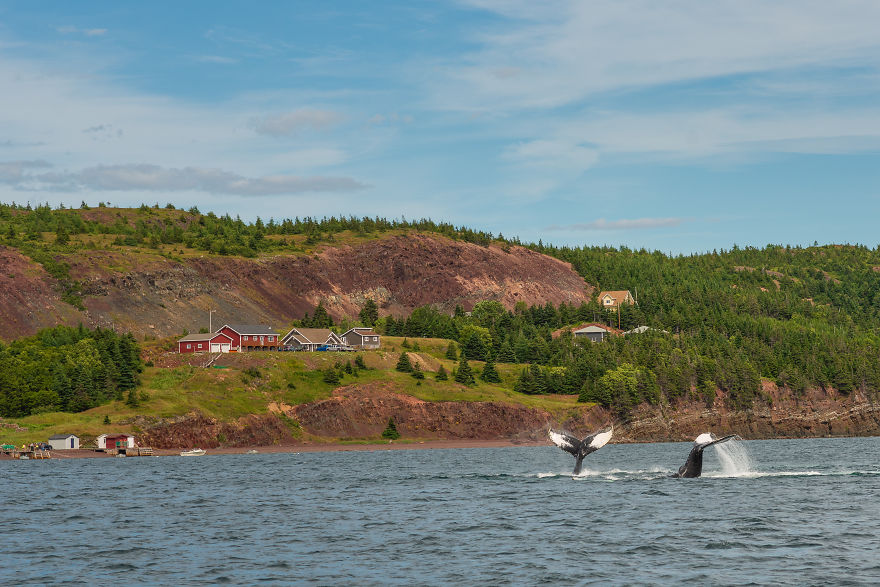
{"points": [[196, 452], [252, 451]]}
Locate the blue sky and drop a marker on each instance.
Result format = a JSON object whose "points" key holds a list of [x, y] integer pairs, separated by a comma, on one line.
{"points": [[681, 126]]}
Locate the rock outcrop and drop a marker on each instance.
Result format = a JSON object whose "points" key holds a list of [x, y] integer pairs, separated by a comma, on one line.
{"points": [[154, 295]]}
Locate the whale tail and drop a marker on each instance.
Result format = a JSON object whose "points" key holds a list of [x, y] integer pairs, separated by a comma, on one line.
{"points": [[693, 467], [579, 449]]}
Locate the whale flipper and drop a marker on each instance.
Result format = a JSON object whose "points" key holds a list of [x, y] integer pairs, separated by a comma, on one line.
{"points": [[693, 467], [581, 448]]}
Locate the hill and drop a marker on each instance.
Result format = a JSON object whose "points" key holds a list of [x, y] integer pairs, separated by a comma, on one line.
{"points": [[773, 341], [155, 272]]}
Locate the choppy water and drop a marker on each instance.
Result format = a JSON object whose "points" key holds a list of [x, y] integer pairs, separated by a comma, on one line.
{"points": [[807, 512]]}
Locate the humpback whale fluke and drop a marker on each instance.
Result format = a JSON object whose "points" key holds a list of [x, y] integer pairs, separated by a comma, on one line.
{"points": [[581, 448], [693, 467]]}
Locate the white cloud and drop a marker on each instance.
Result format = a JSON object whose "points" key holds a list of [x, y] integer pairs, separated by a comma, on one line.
{"points": [[215, 59], [143, 177], [296, 121], [67, 30], [622, 224], [548, 57], [552, 154]]}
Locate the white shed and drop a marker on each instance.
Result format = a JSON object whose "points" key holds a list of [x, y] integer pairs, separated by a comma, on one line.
{"points": [[64, 441]]}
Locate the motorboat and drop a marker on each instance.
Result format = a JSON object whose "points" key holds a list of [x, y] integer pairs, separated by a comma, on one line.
{"points": [[196, 452]]}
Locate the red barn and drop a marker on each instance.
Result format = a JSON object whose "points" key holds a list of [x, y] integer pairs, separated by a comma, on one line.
{"points": [[251, 337], [210, 342]]}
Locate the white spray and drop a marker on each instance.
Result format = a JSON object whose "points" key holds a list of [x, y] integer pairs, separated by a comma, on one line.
{"points": [[735, 458]]}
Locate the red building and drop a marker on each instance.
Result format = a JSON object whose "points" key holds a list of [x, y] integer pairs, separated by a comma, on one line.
{"points": [[210, 342], [251, 337]]}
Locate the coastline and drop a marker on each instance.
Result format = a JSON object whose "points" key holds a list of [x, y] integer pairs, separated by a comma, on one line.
{"points": [[83, 453]]}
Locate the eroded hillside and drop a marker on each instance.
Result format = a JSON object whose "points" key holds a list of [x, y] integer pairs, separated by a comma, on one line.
{"points": [[153, 294]]}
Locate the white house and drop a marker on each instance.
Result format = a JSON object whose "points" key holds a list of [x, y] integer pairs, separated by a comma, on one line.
{"points": [[64, 441]]}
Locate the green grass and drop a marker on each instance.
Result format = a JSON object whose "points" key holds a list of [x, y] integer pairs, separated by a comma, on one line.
{"points": [[289, 378]]}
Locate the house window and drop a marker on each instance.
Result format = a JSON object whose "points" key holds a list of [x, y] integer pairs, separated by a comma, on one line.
{"points": [[200, 345], [189, 346], [271, 338]]}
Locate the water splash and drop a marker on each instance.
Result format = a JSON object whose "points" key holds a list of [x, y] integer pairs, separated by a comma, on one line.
{"points": [[735, 459]]}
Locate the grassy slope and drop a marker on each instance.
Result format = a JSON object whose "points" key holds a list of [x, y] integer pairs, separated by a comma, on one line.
{"points": [[290, 378]]}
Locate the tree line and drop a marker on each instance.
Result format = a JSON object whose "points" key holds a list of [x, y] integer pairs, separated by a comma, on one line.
{"points": [[67, 369]]}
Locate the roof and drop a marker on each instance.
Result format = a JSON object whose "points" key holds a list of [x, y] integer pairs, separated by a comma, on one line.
{"points": [[249, 328], [618, 295], [315, 335], [120, 435], [62, 436], [362, 330], [202, 336], [582, 328], [592, 329]]}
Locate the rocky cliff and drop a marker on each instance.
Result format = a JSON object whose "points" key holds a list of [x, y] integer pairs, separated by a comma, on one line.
{"points": [[362, 411], [152, 294]]}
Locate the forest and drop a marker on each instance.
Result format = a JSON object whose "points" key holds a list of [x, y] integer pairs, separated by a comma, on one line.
{"points": [[67, 369]]}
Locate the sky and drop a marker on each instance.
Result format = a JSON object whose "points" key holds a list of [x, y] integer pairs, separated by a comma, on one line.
{"points": [[680, 126]]}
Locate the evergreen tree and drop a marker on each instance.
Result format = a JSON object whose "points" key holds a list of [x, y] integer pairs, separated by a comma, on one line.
{"points": [[490, 374], [61, 236], [359, 362], [505, 352], [390, 431], [441, 374], [463, 374], [369, 314], [417, 371], [452, 352], [321, 319], [403, 363], [331, 375]]}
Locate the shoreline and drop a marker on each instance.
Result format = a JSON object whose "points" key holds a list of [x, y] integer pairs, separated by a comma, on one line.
{"points": [[84, 453]]}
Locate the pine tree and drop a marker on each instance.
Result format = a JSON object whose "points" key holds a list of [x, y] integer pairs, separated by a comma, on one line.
{"points": [[464, 375], [331, 375], [417, 371], [505, 352], [452, 352], [359, 362], [390, 431], [369, 314], [61, 236], [441, 374], [321, 319], [403, 363], [490, 374]]}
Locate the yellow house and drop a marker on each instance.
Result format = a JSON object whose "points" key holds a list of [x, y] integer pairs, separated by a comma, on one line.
{"points": [[613, 299]]}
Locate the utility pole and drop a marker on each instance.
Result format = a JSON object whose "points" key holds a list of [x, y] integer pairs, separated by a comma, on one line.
{"points": [[210, 327]]}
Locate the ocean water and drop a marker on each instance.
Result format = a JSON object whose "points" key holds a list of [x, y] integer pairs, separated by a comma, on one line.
{"points": [[780, 512]]}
